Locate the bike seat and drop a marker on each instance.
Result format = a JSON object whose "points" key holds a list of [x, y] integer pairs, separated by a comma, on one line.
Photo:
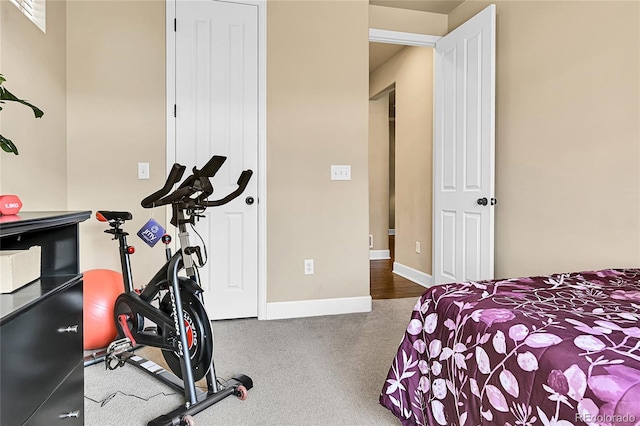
{"points": [[108, 216]]}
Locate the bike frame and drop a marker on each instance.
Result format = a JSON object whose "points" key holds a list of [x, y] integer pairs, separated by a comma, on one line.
{"points": [[168, 271]]}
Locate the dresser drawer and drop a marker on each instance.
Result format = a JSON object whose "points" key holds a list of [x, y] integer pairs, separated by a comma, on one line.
{"points": [[40, 347], [65, 407]]}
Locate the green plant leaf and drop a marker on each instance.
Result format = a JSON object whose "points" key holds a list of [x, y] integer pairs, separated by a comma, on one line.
{"points": [[5, 95], [7, 145]]}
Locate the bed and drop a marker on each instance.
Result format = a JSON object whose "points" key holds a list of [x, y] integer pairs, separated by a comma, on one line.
{"points": [[550, 350]]}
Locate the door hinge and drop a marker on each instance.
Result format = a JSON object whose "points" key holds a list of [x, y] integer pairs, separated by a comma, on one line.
{"points": [[175, 24], [175, 110]]}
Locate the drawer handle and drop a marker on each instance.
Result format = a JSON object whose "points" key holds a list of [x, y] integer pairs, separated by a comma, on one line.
{"points": [[72, 414], [70, 329]]}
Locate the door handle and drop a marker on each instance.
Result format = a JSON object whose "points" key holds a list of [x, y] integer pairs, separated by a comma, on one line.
{"points": [[70, 415], [494, 201], [483, 201], [249, 200]]}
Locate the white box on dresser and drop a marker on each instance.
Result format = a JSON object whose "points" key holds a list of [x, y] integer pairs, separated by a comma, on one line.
{"points": [[19, 267]]}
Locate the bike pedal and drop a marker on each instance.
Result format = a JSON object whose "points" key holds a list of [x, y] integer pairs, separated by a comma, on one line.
{"points": [[118, 352]]}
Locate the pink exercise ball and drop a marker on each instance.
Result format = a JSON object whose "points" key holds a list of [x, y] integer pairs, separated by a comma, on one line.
{"points": [[101, 288]]}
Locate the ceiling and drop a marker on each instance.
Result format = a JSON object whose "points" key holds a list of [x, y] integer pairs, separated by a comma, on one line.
{"points": [[379, 53]]}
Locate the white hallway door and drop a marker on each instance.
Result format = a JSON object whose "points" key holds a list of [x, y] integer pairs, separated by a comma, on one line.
{"points": [[464, 151], [216, 96]]}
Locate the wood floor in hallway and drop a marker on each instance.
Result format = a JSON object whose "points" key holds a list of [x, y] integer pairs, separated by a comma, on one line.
{"points": [[387, 285]]}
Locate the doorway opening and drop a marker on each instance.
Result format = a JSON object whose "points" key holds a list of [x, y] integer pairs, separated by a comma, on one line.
{"points": [[400, 168], [461, 234]]}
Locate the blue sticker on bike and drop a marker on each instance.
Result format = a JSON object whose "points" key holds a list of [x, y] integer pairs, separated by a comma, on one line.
{"points": [[151, 232]]}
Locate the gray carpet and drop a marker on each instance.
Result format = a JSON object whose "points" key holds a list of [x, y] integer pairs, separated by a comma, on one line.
{"points": [[312, 371]]}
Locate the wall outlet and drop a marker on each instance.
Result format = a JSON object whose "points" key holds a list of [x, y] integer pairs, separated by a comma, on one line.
{"points": [[418, 247], [370, 241], [308, 267]]}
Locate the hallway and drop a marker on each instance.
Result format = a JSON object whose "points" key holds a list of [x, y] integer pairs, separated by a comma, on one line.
{"points": [[387, 285]]}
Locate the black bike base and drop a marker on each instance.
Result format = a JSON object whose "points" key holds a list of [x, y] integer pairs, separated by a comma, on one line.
{"points": [[174, 417], [205, 399]]}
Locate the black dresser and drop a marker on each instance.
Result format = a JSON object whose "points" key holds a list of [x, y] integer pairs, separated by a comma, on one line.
{"points": [[41, 354]]}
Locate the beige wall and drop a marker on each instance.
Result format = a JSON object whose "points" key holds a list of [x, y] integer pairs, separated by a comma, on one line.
{"points": [[317, 115], [34, 65], [116, 118], [379, 172], [567, 134], [412, 72]]}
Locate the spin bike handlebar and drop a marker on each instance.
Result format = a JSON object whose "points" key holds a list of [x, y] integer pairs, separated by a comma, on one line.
{"points": [[197, 182], [242, 183], [212, 166], [174, 176]]}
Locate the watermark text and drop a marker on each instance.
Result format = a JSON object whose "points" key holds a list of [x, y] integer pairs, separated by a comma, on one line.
{"points": [[605, 418]]}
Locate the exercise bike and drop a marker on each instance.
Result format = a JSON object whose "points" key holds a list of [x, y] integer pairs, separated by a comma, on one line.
{"points": [[180, 324]]}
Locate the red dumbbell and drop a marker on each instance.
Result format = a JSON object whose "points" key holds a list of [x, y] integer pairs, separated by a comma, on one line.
{"points": [[10, 204]]}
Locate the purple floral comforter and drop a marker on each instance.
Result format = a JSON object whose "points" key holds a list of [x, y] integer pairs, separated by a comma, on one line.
{"points": [[554, 350]]}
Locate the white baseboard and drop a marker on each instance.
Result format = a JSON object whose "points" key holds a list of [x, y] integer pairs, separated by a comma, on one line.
{"points": [[379, 254], [318, 307], [414, 275]]}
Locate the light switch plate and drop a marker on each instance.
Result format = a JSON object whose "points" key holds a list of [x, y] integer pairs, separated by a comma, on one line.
{"points": [[143, 170], [340, 172]]}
